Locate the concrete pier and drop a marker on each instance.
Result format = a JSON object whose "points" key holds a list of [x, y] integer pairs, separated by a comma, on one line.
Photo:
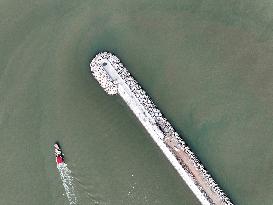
{"points": [[114, 78]]}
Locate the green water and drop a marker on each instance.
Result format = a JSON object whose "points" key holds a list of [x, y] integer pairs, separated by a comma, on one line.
{"points": [[206, 64]]}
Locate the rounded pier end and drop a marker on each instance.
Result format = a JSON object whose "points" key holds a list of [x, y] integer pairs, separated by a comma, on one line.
{"points": [[98, 71]]}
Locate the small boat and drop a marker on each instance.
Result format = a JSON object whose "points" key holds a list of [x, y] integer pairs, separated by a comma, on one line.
{"points": [[58, 154]]}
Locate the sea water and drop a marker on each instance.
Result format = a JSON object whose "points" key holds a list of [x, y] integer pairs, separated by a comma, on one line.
{"points": [[206, 64]]}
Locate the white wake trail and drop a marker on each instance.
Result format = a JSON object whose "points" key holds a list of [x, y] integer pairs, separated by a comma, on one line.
{"points": [[67, 180]]}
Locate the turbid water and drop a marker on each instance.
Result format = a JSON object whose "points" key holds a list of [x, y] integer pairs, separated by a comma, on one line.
{"points": [[208, 65]]}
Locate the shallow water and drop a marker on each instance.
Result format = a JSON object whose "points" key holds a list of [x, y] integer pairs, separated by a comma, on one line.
{"points": [[207, 65]]}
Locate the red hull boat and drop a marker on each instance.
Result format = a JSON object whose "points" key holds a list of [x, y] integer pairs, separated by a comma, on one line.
{"points": [[58, 154]]}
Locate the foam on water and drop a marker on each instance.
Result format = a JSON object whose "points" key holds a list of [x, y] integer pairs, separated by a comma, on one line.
{"points": [[67, 180]]}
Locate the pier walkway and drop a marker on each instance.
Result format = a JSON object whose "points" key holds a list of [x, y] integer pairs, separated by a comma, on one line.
{"points": [[115, 79]]}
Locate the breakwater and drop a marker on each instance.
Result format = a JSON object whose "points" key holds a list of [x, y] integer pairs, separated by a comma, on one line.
{"points": [[114, 78]]}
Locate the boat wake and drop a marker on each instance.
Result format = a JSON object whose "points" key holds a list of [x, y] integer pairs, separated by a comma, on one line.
{"points": [[67, 180]]}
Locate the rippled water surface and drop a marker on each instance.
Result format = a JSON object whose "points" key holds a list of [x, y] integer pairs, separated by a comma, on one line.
{"points": [[207, 64]]}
